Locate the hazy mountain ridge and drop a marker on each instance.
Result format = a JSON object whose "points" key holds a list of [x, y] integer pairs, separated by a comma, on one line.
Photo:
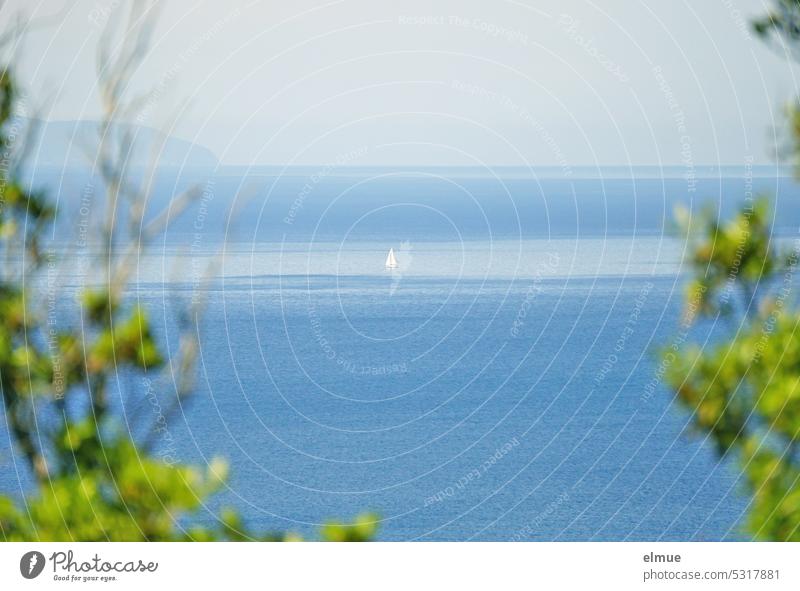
{"points": [[69, 144]]}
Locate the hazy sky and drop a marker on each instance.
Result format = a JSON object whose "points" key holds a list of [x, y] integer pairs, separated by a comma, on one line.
{"points": [[445, 82]]}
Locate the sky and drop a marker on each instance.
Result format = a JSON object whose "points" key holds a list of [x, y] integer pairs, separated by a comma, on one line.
{"points": [[466, 83]]}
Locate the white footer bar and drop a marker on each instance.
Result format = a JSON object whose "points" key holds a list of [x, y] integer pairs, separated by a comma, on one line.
{"points": [[228, 566]]}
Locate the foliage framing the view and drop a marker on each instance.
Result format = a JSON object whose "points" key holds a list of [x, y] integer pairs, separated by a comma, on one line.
{"points": [[93, 480], [744, 392]]}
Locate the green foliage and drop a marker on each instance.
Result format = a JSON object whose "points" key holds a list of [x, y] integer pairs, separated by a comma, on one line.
{"points": [[93, 481], [728, 259], [118, 495], [744, 392], [780, 23], [362, 529], [781, 28]]}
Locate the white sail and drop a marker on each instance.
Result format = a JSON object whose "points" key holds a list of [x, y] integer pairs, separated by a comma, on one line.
{"points": [[391, 261]]}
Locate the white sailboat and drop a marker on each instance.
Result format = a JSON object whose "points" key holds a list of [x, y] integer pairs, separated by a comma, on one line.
{"points": [[391, 261]]}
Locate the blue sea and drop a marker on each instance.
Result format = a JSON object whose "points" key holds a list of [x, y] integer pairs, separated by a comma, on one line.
{"points": [[501, 384], [488, 391]]}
